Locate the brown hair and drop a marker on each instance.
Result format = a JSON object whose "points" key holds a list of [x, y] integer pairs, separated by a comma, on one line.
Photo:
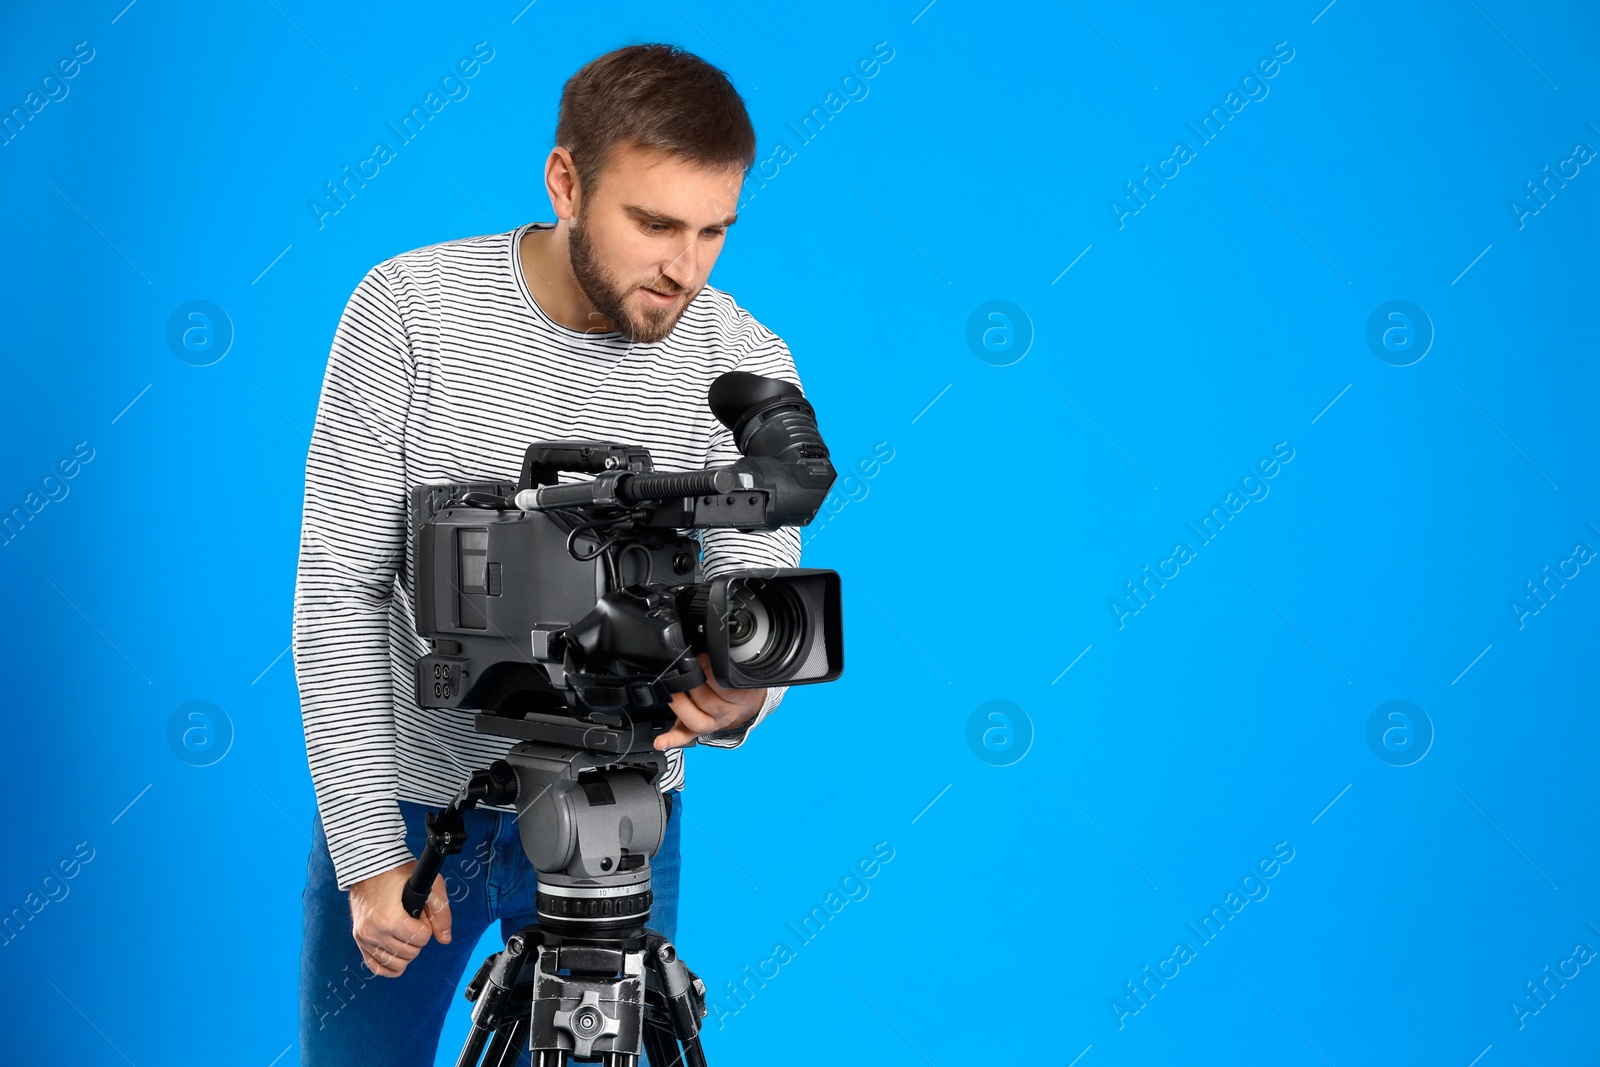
{"points": [[656, 96]]}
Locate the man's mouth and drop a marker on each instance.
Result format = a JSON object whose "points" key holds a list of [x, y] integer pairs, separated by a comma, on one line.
{"points": [[658, 299]]}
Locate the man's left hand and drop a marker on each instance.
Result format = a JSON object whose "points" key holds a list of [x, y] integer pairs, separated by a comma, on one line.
{"points": [[709, 707]]}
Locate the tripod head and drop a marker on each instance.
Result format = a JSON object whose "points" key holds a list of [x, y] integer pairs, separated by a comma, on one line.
{"points": [[589, 812]]}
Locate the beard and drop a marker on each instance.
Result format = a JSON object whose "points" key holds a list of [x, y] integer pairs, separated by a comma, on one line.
{"points": [[609, 296]]}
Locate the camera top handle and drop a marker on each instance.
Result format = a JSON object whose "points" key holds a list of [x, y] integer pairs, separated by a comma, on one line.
{"points": [[784, 460]]}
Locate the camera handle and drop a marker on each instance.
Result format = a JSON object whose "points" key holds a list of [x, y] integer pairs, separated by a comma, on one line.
{"points": [[544, 461], [622, 488], [447, 830]]}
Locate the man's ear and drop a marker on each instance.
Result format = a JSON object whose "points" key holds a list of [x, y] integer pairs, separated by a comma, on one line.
{"points": [[561, 182]]}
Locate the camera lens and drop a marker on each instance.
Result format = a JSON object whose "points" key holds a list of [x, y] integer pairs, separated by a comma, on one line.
{"points": [[741, 627], [765, 625]]}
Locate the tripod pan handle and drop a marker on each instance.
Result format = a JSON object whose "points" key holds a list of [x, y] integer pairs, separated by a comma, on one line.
{"points": [[414, 897]]}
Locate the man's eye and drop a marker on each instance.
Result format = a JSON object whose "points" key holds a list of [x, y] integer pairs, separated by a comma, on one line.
{"points": [[655, 227]]}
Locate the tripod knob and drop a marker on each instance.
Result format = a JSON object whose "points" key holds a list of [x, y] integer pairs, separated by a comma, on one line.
{"points": [[587, 1024]]}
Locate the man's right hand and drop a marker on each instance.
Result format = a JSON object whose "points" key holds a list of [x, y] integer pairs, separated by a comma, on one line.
{"points": [[389, 939]]}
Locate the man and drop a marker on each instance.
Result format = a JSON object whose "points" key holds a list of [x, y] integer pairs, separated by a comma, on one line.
{"points": [[448, 361]]}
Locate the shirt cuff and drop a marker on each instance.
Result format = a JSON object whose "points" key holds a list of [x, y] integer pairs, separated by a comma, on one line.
{"points": [[735, 736], [367, 836]]}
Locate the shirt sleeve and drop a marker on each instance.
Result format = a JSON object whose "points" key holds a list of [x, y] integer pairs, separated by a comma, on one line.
{"points": [[725, 550], [352, 545]]}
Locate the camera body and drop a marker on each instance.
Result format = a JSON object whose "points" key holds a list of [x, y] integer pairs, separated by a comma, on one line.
{"points": [[552, 602]]}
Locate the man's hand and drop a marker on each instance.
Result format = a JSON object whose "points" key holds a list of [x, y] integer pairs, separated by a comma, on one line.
{"points": [[388, 937], [709, 707]]}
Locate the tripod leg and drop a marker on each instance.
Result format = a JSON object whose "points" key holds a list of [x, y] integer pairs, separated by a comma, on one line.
{"points": [[473, 1050], [509, 1043], [489, 990], [692, 1053], [660, 1047], [684, 995], [495, 1054]]}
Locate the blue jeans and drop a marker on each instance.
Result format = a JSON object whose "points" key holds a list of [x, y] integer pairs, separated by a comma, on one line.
{"points": [[348, 1015]]}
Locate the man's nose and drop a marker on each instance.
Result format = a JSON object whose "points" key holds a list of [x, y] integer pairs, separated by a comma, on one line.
{"points": [[684, 267]]}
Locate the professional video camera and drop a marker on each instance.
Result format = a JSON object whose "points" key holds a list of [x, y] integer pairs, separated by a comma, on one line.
{"points": [[566, 615]]}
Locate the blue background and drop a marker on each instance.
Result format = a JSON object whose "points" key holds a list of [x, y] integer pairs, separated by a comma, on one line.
{"points": [[1228, 715]]}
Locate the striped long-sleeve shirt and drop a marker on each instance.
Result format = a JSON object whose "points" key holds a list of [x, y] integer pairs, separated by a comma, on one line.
{"points": [[444, 368]]}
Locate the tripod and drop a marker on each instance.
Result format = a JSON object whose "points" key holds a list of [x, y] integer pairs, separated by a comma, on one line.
{"points": [[588, 982]]}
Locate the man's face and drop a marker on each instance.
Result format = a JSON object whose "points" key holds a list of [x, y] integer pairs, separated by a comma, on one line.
{"points": [[643, 241]]}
